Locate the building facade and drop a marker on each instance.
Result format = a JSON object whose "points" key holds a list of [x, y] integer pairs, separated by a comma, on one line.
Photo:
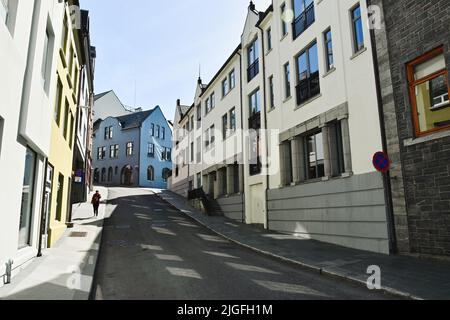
{"points": [[63, 127], [156, 151], [306, 95], [82, 159], [413, 63], [133, 150], [30, 32]]}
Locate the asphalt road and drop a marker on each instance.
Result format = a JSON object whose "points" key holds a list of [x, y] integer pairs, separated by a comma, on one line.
{"points": [[151, 251]]}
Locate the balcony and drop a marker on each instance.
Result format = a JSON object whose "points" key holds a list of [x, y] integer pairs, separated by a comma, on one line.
{"points": [[253, 70], [303, 21], [308, 88]]}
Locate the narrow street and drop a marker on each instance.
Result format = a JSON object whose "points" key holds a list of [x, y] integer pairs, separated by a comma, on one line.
{"points": [[152, 251]]}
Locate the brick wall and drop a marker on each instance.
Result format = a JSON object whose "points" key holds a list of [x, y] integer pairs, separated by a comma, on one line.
{"points": [[415, 27]]}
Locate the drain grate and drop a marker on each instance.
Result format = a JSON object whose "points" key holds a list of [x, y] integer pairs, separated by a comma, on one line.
{"points": [[78, 235]]}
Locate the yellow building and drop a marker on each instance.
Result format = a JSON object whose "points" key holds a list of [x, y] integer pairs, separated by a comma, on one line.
{"points": [[63, 130]]}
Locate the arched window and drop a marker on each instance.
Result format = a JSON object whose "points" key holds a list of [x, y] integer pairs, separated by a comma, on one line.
{"points": [[103, 175], [165, 174], [110, 174], [150, 173]]}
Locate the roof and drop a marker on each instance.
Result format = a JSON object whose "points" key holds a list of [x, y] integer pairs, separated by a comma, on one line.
{"points": [[263, 15], [236, 51], [101, 95], [134, 120]]}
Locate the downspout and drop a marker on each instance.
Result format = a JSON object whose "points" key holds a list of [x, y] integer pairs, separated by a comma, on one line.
{"points": [[265, 122], [386, 176], [242, 137]]}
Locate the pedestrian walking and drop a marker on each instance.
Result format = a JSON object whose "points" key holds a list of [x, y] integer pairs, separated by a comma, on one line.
{"points": [[96, 202]]}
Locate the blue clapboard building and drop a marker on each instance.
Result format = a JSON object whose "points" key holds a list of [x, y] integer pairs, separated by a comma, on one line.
{"points": [[133, 150]]}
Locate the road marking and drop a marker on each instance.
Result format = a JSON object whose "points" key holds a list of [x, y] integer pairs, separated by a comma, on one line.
{"points": [[168, 257], [245, 267]]}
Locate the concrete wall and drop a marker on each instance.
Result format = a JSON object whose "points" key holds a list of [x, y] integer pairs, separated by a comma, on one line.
{"points": [[120, 137], [349, 212], [156, 118], [181, 187], [233, 207]]}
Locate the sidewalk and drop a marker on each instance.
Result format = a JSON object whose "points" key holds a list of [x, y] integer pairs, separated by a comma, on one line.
{"points": [[404, 276], [66, 271]]}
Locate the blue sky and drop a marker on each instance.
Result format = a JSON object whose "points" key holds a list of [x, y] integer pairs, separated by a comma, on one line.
{"points": [[159, 45]]}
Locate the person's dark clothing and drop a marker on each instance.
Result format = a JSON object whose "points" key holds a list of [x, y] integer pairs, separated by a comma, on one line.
{"points": [[96, 202]]}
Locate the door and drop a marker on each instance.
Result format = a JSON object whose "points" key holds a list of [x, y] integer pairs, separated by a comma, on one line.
{"points": [[47, 206], [257, 214]]}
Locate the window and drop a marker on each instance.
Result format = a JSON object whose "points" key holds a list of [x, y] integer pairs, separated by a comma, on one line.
{"points": [[58, 102], [254, 103], [358, 36], [284, 25], [304, 16], [130, 147], [108, 133], [199, 180], [116, 170], [287, 81], [199, 149], [336, 149], [192, 123], [212, 101], [429, 92], [224, 126], [46, 68], [206, 138], [70, 58], [65, 35], [269, 39], [101, 153], [4, 10], [114, 151], [225, 87], [59, 197], [151, 173], [26, 210], [328, 50], [308, 74], [199, 116], [314, 156], [110, 174], [212, 133], [169, 154], [158, 130], [152, 130], [207, 107], [271, 93], [192, 152], [163, 133], [233, 120], [66, 119], [71, 128], [232, 76], [253, 60]]}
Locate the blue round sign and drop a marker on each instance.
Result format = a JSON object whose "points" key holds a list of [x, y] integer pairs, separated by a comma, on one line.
{"points": [[381, 162]]}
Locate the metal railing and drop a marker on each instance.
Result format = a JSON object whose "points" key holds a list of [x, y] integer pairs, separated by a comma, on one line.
{"points": [[308, 88], [303, 21], [253, 70]]}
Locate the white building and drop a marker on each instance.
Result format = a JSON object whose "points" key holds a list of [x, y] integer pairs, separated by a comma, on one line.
{"points": [[306, 74], [107, 104], [29, 34]]}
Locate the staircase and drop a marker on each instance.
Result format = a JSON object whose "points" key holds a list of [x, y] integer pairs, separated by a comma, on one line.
{"points": [[211, 206]]}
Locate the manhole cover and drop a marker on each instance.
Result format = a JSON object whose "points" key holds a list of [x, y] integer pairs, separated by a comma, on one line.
{"points": [[78, 235]]}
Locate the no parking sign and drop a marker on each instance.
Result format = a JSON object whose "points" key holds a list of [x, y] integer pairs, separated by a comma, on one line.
{"points": [[381, 162]]}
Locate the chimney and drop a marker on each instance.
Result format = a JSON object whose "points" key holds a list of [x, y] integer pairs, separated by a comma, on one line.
{"points": [[178, 102]]}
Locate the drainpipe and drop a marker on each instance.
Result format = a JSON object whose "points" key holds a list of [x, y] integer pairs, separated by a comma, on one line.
{"points": [[9, 265], [265, 120], [386, 176]]}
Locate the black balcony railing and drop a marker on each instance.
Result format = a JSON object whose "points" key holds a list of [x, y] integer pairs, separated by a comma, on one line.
{"points": [[254, 121], [253, 70], [308, 88], [303, 21]]}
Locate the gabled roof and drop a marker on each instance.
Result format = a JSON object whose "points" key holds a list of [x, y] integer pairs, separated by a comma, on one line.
{"points": [[101, 95], [134, 120]]}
